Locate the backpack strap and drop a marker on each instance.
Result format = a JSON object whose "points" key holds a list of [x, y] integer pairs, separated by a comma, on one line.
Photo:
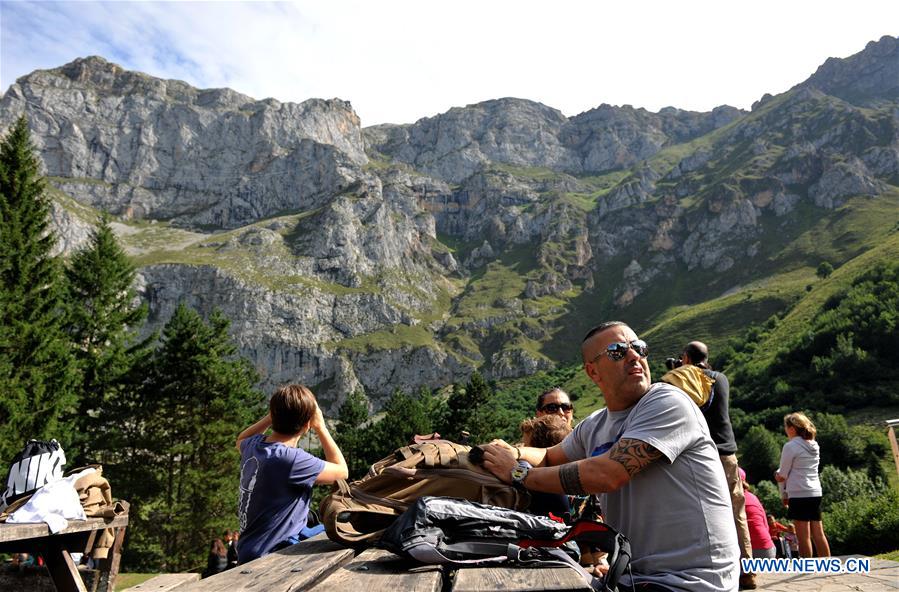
{"points": [[429, 553], [431, 453], [448, 456], [554, 556], [405, 453], [602, 536]]}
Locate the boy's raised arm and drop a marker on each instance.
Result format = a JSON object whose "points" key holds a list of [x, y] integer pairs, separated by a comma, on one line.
{"points": [[257, 428], [335, 465]]}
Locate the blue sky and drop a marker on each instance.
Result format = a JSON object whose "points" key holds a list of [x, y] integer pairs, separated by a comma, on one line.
{"points": [[398, 61]]}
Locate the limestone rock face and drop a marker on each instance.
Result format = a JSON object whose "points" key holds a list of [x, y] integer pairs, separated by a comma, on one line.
{"points": [[457, 144], [142, 147], [294, 335], [867, 78], [844, 179]]}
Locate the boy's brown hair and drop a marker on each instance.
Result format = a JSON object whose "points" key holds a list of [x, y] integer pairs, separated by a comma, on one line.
{"points": [[292, 407], [545, 431]]}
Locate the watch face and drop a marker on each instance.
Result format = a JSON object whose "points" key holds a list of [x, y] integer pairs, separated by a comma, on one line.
{"points": [[519, 473]]}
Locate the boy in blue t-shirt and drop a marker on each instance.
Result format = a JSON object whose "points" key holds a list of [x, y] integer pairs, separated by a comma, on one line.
{"points": [[276, 477]]}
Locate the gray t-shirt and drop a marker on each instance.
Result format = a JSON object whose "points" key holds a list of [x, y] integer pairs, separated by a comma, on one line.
{"points": [[677, 514]]}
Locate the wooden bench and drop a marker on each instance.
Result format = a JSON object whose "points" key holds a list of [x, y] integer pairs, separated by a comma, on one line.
{"points": [[319, 565], [164, 582], [56, 550]]}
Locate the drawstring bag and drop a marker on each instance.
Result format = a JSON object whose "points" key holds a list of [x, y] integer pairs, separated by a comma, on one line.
{"points": [[37, 464]]}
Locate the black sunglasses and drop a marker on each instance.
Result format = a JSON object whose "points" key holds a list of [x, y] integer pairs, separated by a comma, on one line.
{"points": [[616, 351], [554, 407]]}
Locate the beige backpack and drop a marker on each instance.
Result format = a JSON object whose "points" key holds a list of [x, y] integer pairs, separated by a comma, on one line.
{"points": [[357, 513]]}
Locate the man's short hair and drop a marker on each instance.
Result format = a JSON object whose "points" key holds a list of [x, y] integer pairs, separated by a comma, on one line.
{"points": [[600, 328], [292, 406], [697, 352], [545, 431]]}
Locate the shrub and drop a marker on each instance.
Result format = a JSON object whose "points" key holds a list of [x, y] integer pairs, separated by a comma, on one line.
{"points": [[759, 452], [769, 495], [864, 525], [824, 270], [840, 486]]}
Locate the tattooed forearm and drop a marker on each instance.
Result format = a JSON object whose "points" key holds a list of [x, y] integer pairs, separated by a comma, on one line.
{"points": [[570, 478], [633, 455]]}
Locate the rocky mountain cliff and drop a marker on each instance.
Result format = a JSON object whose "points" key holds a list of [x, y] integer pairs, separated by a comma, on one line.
{"points": [[462, 141], [141, 147], [489, 237]]}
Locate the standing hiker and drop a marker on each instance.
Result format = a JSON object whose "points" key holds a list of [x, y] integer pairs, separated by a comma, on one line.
{"points": [[800, 486]]}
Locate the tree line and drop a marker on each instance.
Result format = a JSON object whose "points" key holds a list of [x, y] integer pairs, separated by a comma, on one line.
{"points": [[159, 411]]}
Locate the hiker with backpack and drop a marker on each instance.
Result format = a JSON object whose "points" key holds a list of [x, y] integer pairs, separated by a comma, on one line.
{"points": [[276, 476], [651, 459], [717, 414]]}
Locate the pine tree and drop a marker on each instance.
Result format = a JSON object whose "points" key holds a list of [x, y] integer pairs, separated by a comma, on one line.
{"points": [[350, 434], [184, 466], [37, 369], [465, 409], [105, 317], [404, 416]]}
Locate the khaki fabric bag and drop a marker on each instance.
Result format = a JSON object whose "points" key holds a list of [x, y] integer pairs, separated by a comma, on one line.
{"points": [[693, 381], [357, 513]]}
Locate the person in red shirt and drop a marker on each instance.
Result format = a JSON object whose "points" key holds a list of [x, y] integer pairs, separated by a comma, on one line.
{"points": [[788, 546], [757, 519]]}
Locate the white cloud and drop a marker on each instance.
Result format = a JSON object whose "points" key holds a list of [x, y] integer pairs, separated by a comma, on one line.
{"points": [[401, 60]]}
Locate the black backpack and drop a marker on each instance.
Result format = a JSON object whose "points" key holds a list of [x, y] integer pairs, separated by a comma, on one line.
{"points": [[458, 532], [36, 465]]}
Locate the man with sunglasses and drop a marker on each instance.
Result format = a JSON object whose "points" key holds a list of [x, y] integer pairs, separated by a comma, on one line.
{"points": [[555, 401], [651, 459]]}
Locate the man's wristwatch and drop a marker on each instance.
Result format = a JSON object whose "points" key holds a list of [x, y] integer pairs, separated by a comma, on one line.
{"points": [[520, 472]]}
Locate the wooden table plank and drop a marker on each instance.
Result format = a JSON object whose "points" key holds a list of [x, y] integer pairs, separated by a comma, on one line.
{"points": [[376, 570], [18, 532], [74, 542], [517, 579], [288, 570], [165, 582]]}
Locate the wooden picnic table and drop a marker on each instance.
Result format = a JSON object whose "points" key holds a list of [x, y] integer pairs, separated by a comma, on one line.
{"points": [[319, 565], [56, 550]]}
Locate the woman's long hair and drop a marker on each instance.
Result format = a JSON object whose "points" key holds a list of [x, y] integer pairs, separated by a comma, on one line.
{"points": [[802, 424], [218, 548]]}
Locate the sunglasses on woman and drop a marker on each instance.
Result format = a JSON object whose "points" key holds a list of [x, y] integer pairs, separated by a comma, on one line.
{"points": [[555, 407], [616, 351]]}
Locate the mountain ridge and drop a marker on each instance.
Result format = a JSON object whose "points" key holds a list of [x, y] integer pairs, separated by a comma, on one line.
{"points": [[485, 238]]}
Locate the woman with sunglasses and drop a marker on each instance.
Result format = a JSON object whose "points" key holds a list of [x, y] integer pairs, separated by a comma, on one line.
{"points": [[555, 401]]}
